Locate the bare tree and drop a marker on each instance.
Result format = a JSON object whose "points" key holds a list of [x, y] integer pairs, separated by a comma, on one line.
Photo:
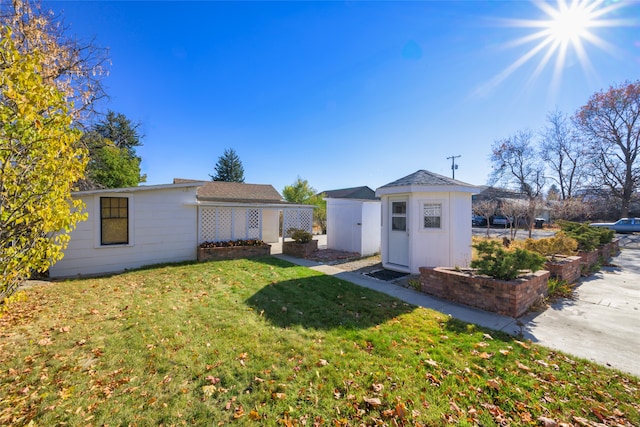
{"points": [[75, 68], [563, 153], [485, 209], [610, 123], [516, 164], [514, 210]]}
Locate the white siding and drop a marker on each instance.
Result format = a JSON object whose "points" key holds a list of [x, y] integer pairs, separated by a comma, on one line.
{"points": [[371, 235], [163, 228], [448, 246], [353, 225], [271, 225]]}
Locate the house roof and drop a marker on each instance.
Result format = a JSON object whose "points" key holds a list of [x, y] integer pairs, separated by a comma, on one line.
{"points": [[361, 193], [494, 193], [220, 191]]}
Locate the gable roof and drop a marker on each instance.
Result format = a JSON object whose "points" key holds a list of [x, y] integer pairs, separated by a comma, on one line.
{"points": [[361, 193], [220, 191]]}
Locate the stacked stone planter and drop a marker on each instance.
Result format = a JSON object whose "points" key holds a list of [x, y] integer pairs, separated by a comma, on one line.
{"points": [[299, 250], [601, 254], [233, 252], [567, 268], [511, 298]]}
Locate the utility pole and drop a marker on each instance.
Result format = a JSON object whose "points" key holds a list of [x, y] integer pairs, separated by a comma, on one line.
{"points": [[453, 165]]}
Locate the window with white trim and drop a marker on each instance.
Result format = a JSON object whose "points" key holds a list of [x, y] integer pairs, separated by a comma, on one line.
{"points": [[432, 214], [114, 220]]}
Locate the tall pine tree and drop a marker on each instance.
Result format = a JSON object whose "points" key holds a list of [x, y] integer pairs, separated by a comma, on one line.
{"points": [[229, 167]]}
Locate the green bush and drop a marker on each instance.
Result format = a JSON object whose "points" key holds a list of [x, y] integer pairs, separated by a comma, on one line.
{"points": [[499, 263], [300, 236], [588, 237]]}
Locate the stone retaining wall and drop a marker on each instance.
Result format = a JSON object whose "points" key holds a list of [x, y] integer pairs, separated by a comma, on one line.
{"points": [[511, 298], [565, 268], [232, 252]]}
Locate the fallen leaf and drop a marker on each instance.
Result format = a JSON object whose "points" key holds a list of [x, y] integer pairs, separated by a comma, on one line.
{"points": [[373, 401], [487, 336], [547, 422], [45, 341], [377, 387], [521, 344], [521, 366], [209, 390], [494, 384]]}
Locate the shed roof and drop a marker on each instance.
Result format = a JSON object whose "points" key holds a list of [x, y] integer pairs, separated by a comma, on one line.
{"points": [[360, 193], [423, 180]]}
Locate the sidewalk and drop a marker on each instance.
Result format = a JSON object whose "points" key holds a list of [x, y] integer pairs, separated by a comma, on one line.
{"points": [[459, 311], [602, 322]]}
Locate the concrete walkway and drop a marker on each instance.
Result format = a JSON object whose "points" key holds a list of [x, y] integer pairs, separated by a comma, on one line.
{"points": [[602, 323]]}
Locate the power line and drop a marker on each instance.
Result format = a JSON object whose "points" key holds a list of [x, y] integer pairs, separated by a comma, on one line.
{"points": [[453, 165]]}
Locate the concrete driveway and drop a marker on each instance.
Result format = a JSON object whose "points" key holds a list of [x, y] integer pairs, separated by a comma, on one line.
{"points": [[602, 321]]}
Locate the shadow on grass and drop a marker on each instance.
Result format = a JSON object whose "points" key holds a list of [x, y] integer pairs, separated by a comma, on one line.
{"points": [[324, 302]]}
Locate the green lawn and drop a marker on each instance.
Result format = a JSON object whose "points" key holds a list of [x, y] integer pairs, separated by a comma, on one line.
{"points": [[263, 342]]}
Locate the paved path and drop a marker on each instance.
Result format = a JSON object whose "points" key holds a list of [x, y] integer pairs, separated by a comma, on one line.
{"points": [[602, 322]]}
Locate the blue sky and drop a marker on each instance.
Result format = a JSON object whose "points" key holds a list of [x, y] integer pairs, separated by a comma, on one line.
{"points": [[341, 94]]}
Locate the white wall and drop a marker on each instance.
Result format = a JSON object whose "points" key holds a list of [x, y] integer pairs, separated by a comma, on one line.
{"points": [[162, 228], [448, 246], [270, 225], [353, 225], [371, 219]]}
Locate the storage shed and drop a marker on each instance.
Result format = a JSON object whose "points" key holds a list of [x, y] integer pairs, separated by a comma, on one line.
{"points": [[426, 222], [353, 220], [133, 227]]}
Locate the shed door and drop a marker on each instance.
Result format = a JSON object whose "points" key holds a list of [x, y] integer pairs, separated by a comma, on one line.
{"points": [[398, 233]]}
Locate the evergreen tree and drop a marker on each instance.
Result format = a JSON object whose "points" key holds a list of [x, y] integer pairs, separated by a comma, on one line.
{"points": [[229, 168], [112, 144]]}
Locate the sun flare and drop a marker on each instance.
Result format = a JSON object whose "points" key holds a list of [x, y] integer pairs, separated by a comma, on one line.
{"points": [[570, 24], [566, 27]]}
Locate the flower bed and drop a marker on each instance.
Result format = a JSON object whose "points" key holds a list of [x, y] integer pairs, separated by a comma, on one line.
{"points": [[299, 249], [511, 298], [210, 251]]}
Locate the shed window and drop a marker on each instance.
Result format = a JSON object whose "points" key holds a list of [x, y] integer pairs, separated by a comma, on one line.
{"points": [[432, 213], [114, 220]]}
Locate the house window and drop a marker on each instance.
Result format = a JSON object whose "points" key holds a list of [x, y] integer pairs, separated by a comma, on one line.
{"points": [[432, 214], [114, 220]]}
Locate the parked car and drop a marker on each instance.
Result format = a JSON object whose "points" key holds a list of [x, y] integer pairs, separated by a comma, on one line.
{"points": [[501, 220], [623, 225], [478, 221]]}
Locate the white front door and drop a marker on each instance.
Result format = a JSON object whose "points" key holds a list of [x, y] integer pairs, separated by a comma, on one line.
{"points": [[398, 233]]}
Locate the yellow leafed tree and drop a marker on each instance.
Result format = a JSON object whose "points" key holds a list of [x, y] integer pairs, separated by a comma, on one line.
{"points": [[40, 161]]}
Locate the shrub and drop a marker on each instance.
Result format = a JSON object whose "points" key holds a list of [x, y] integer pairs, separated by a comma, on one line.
{"points": [[588, 237], [300, 236], [560, 244], [499, 263]]}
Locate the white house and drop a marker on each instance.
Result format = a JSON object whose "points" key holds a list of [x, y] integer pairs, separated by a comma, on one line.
{"points": [[353, 220], [426, 222], [131, 227]]}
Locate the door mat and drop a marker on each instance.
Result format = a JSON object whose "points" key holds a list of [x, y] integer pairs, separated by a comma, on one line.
{"points": [[386, 275]]}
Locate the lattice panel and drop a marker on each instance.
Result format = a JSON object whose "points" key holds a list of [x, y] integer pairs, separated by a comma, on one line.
{"points": [[254, 217], [300, 219], [207, 225], [225, 224]]}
